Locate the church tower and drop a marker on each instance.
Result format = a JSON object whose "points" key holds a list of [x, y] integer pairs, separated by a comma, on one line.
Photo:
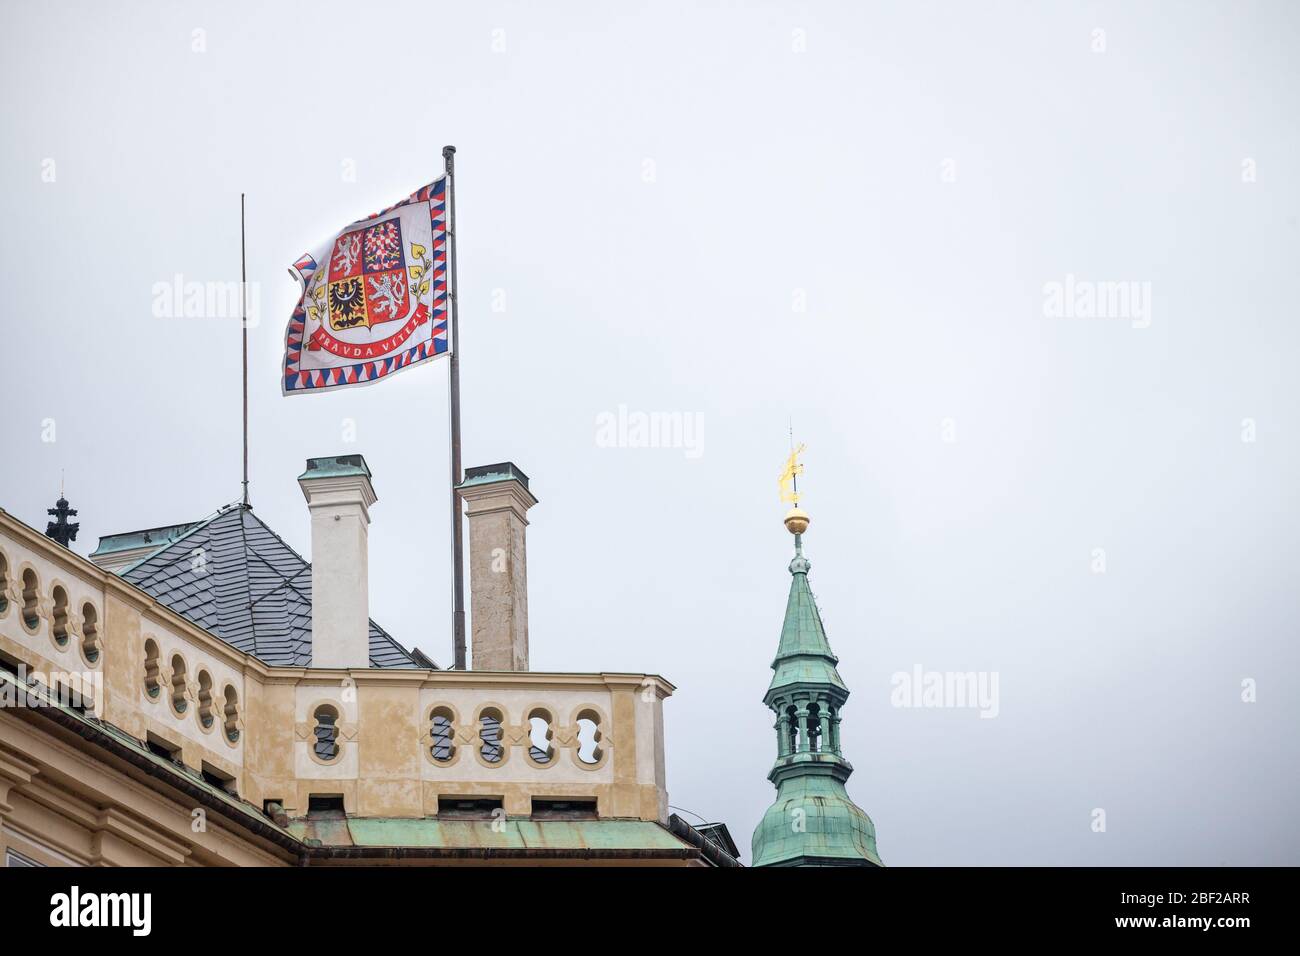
{"points": [[813, 822]]}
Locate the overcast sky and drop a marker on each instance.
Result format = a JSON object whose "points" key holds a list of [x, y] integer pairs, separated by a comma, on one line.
{"points": [[847, 215]]}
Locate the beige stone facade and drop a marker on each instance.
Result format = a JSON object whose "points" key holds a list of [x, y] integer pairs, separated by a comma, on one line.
{"points": [[497, 505], [95, 784]]}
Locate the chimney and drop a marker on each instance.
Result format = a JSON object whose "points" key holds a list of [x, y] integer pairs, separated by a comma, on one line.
{"points": [[498, 500], [339, 496]]}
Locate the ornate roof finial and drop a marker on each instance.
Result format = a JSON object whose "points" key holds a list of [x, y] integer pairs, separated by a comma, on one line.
{"points": [[60, 529]]}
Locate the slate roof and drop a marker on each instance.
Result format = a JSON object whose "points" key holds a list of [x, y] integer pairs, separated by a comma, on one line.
{"points": [[719, 835], [249, 588]]}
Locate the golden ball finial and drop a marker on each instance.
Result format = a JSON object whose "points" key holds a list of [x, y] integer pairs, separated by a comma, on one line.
{"points": [[796, 520]]}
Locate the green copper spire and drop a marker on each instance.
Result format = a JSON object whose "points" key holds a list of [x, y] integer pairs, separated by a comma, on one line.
{"points": [[804, 655], [813, 822]]}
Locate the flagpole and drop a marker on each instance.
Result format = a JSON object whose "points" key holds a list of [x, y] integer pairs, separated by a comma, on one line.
{"points": [[243, 291], [453, 384]]}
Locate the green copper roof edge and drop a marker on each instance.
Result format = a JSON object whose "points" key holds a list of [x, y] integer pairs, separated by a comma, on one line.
{"points": [[334, 466], [198, 526], [486, 480], [833, 765], [515, 833], [812, 860], [114, 543], [800, 655], [807, 670], [496, 471]]}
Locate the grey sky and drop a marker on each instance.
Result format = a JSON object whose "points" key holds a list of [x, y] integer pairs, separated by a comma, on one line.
{"points": [[917, 174]]}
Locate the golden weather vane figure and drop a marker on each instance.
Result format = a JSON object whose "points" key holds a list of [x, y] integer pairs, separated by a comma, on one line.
{"points": [[790, 476], [796, 519]]}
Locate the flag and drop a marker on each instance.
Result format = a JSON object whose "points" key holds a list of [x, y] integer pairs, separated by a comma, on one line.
{"points": [[374, 298]]}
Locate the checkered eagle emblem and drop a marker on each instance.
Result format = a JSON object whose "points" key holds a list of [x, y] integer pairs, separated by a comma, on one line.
{"points": [[374, 298], [367, 277]]}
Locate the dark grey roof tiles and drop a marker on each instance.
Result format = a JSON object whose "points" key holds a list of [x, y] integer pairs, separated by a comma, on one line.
{"points": [[235, 577]]}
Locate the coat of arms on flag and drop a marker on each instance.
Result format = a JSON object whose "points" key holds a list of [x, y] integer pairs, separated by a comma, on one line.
{"points": [[374, 299]]}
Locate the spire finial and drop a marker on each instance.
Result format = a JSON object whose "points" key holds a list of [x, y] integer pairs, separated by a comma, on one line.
{"points": [[796, 519]]}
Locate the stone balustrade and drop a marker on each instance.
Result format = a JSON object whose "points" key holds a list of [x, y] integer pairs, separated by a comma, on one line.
{"points": [[388, 742]]}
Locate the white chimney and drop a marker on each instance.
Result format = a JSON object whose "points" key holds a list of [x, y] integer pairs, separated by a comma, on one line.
{"points": [[339, 496], [498, 500]]}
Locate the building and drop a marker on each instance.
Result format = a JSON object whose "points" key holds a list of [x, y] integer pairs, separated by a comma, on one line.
{"points": [[200, 694], [813, 821]]}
